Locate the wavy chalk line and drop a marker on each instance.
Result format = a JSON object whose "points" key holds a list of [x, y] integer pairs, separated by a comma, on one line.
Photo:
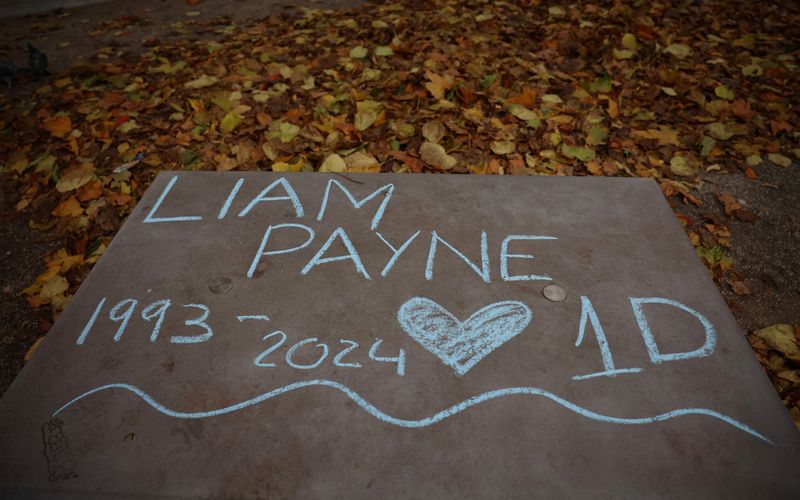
{"points": [[423, 422]]}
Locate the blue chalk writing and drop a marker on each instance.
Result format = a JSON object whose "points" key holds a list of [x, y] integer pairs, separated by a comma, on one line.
{"points": [[388, 189], [158, 310], [227, 205], [259, 361], [652, 347], [422, 422], [199, 321], [262, 196], [352, 254], [90, 323], [483, 271], [588, 312], [396, 252], [261, 253], [300, 344], [125, 317], [151, 215], [261, 317], [504, 256], [337, 360], [400, 359], [461, 345]]}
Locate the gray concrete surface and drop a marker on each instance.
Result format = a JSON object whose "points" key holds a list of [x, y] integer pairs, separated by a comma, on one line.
{"points": [[337, 434]]}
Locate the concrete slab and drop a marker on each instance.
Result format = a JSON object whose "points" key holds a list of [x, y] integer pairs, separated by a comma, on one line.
{"points": [[256, 334]]}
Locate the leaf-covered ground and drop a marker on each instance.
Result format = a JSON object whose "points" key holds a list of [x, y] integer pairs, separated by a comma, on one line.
{"points": [[675, 91]]}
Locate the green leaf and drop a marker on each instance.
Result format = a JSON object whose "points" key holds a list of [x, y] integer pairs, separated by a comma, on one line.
{"points": [[283, 131], [582, 154], [602, 85], [523, 113], [681, 166], [383, 51], [230, 122], [723, 92], [629, 41], [706, 145], [719, 131], [488, 80], [596, 135], [358, 52]]}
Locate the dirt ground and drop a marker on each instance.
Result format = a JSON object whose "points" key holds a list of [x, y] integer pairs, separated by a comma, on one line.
{"points": [[765, 249]]}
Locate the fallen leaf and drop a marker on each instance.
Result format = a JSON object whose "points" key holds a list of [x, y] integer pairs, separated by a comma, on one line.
{"points": [[358, 52], [55, 286], [433, 131], [230, 122], [58, 126], [436, 156], [719, 131], [582, 154], [32, 349], [70, 207], [503, 147], [333, 163], [680, 165], [678, 50], [75, 177], [360, 161], [723, 92], [201, 82], [779, 159], [780, 337]]}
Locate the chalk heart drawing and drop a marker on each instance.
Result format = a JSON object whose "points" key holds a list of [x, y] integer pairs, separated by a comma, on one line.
{"points": [[461, 344]]}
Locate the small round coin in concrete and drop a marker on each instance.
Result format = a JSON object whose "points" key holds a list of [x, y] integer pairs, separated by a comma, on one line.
{"points": [[555, 293], [221, 284]]}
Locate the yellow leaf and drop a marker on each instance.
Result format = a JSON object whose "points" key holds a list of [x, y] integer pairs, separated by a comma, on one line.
{"points": [[629, 41], [333, 163], [681, 166], [723, 92], [29, 354], [230, 122], [70, 207], [780, 337], [362, 162], [779, 159], [75, 177], [678, 50], [203, 81], [55, 286]]}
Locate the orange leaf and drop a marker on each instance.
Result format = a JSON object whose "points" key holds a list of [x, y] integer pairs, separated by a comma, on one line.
{"points": [[526, 98], [70, 207], [90, 191], [436, 86], [58, 126]]}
